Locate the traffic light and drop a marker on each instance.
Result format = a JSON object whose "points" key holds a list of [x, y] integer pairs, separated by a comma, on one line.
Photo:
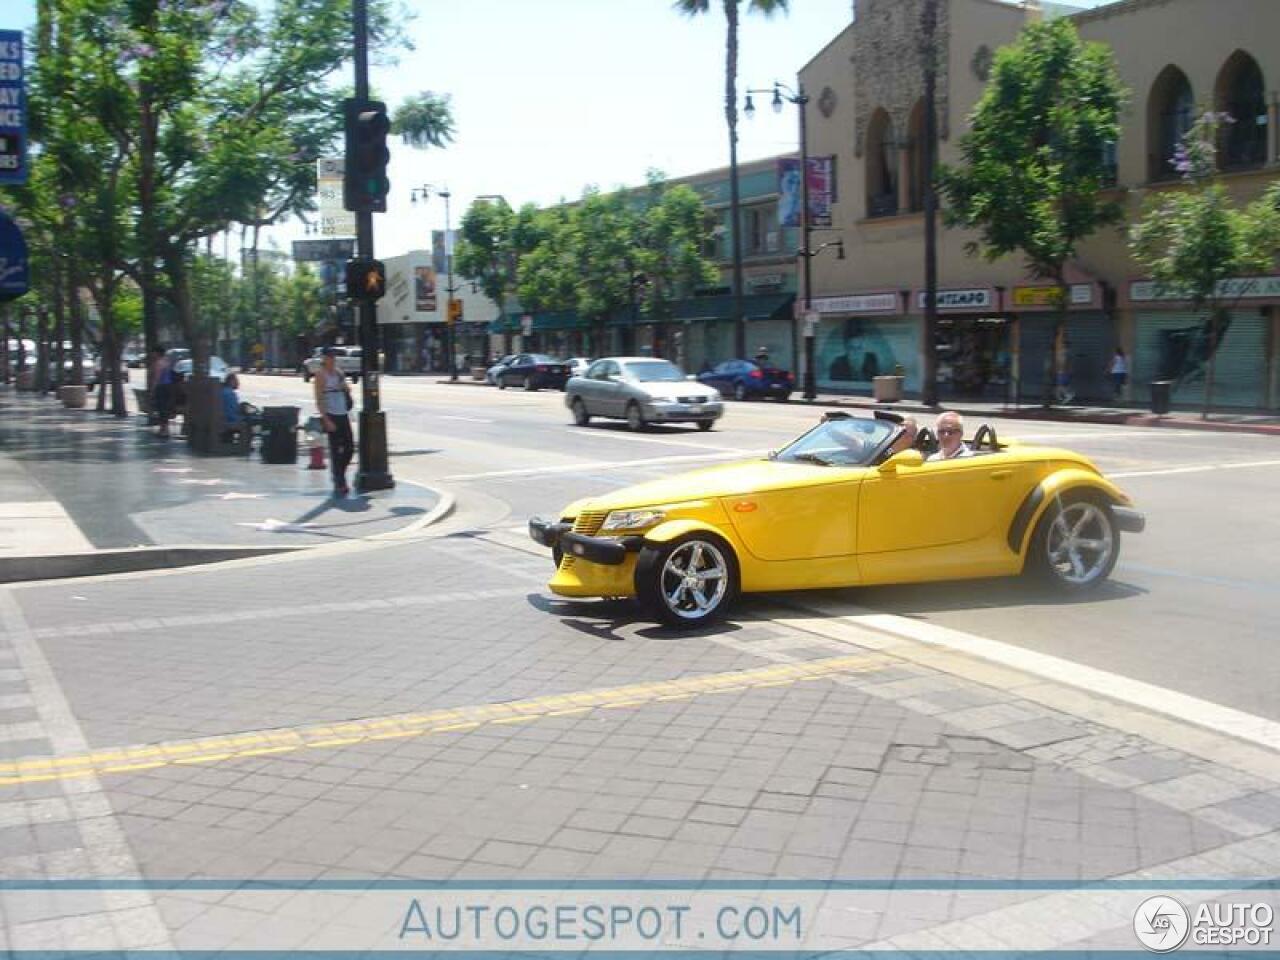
{"points": [[364, 181], [366, 279], [455, 311]]}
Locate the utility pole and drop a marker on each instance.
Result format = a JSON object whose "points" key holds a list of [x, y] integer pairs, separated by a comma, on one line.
{"points": [[929, 56], [374, 472], [450, 330]]}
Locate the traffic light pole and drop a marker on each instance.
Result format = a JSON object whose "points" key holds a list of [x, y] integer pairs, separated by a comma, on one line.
{"points": [[374, 467]]}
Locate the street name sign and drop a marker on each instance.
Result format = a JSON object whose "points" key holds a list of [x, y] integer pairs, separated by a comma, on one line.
{"points": [[13, 110]]}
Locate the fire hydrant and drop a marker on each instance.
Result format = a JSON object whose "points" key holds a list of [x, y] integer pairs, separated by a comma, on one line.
{"points": [[315, 442]]}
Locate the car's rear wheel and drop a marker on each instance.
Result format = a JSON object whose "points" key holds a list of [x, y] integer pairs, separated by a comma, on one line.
{"points": [[502, 383], [705, 425], [580, 415], [689, 582], [1076, 543], [739, 392], [528, 383], [635, 418]]}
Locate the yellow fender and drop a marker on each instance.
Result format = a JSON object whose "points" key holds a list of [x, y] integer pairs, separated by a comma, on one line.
{"points": [[1046, 493], [670, 530]]}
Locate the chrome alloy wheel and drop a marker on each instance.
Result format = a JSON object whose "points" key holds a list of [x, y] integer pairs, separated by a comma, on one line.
{"points": [[695, 579], [1080, 543]]}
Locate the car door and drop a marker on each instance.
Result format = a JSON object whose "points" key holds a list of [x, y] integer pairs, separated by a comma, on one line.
{"points": [[720, 375], [519, 367], [587, 387], [945, 518], [612, 389]]}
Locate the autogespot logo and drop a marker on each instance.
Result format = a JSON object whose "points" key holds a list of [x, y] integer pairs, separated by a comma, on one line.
{"points": [[1161, 924]]}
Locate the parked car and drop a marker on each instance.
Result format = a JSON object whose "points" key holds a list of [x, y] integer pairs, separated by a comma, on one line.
{"points": [[347, 360], [578, 366], [838, 507], [747, 380], [641, 390], [134, 358], [218, 368], [491, 375], [534, 371]]}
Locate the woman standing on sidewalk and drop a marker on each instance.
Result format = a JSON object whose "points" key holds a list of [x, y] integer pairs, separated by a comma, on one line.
{"points": [[333, 403]]}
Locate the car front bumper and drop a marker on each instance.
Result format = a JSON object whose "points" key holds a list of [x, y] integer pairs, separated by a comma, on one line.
{"points": [[1129, 520], [609, 551], [683, 412]]}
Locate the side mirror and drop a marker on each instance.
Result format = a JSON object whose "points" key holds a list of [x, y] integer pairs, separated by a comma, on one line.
{"points": [[904, 458]]}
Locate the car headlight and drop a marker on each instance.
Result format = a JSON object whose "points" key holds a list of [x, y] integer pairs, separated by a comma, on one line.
{"points": [[632, 520]]}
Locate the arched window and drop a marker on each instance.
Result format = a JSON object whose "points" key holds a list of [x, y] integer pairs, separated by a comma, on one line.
{"points": [[915, 159], [1170, 114], [1241, 94], [882, 167]]}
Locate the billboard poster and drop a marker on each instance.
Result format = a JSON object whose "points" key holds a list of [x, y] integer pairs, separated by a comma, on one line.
{"points": [[821, 173], [13, 110], [424, 289], [342, 248]]}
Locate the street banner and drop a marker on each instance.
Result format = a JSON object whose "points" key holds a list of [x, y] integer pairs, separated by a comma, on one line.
{"points": [[822, 190], [821, 172], [13, 110], [337, 248], [335, 219], [424, 289], [442, 245], [789, 192], [15, 277]]}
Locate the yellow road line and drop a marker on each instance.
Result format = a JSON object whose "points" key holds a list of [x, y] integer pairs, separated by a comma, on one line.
{"points": [[259, 743]]}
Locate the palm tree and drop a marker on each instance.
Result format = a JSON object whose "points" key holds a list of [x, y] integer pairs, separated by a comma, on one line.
{"points": [[424, 120], [692, 8]]}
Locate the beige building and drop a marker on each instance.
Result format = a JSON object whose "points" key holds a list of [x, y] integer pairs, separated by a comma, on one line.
{"points": [[1178, 58]]}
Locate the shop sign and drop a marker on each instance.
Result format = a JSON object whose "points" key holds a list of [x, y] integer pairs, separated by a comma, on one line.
{"points": [[1236, 288], [978, 299], [1080, 295], [858, 303], [765, 280]]}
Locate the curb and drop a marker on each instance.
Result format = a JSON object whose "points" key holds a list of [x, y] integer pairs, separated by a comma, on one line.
{"points": [[62, 566]]}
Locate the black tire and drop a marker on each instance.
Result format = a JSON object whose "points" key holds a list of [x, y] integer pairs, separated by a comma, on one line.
{"points": [[651, 574], [635, 418], [355, 378], [783, 398], [739, 392], [705, 425], [1099, 524], [528, 383], [579, 409], [502, 383], [306, 375]]}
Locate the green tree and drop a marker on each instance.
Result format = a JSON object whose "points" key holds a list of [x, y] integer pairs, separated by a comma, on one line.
{"points": [[1032, 180], [1195, 240], [424, 120], [493, 239], [732, 12]]}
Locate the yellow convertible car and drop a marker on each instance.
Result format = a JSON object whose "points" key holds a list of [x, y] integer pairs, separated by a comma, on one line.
{"points": [[841, 506]]}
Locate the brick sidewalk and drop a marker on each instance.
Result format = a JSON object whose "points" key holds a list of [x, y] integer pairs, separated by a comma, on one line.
{"points": [[683, 757]]}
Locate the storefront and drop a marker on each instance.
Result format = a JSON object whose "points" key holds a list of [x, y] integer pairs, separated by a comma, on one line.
{"points": [[1085, 350], [701, 332], [1172, 342], [975, 344], [863, 336]]}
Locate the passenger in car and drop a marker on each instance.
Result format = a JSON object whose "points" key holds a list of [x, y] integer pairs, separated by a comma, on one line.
{"points": [[950, 430], [907, 439]]}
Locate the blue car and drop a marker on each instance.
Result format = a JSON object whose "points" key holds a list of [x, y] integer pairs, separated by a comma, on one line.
{"points": [[747, 380]]}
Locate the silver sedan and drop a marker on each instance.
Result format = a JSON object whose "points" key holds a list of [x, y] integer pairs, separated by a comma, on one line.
{"points": [[641, 390]]}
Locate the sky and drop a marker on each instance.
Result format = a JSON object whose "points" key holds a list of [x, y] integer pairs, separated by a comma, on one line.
{"points": [[554, 95]]}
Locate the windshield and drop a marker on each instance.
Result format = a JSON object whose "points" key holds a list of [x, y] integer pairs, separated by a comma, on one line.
{"points": [[542, 358], [844, 442], [654, 371]]}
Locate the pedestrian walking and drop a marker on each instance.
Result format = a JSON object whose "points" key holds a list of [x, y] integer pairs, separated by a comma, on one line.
{"points": [[1119, 371], [163, 398], [333, 403]]}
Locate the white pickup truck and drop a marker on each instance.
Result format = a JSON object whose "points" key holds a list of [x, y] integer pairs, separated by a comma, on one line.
{"points": [[346, 358]]}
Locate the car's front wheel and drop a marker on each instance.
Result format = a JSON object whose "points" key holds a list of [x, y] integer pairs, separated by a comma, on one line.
{"points": [[528, 383], [1076, 543], [306, 375], [739, 392], [705, 425], [635, 417], [689, 582], [580, 415]]}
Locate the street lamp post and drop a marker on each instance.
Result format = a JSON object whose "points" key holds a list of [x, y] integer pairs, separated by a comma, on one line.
{"points": [[781, 92], [810, 334], [929, 58], [424, 192]]}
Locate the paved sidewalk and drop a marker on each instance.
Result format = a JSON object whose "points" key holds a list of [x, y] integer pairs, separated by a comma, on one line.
{"points": [[77, 480]]}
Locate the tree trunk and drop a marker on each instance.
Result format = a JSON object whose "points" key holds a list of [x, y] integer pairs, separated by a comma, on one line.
{"points": [[1057, 362], [42, 349], [1216, 316], [200, 395], [735, 199], [147, 230]]}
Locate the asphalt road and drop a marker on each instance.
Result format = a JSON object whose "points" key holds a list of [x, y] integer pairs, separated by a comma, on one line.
{"points": [[1191, 607]]}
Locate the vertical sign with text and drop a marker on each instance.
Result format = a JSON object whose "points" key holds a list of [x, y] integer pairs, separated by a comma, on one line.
{"points": [[335, 219], [13, 110]]}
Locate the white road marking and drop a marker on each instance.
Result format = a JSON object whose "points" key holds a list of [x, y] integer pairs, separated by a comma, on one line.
{"points": [[1203, 713], [1200, 468], [667, 442], [468, 419], [593, 465]]}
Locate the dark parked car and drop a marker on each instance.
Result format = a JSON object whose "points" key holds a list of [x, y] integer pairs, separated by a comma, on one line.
{"points": [[532, 371], [746, 380]]}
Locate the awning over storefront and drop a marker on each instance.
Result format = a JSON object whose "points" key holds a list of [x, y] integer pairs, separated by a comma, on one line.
{"points": [[756, 306]]}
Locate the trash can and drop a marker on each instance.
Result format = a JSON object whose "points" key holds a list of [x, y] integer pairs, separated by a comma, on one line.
{"points": [[280, 434], [1160, 395]]}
